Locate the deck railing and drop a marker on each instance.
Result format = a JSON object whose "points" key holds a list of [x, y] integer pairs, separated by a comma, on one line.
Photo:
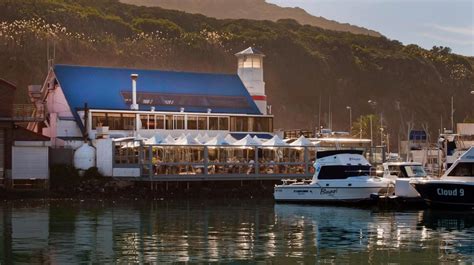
{"points": [[200, 162], [28, 112]]}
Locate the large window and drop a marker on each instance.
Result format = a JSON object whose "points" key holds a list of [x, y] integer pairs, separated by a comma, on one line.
{"points": [[202, 123], [178, 122], [343, 172], [169, 122], [463, 170], [262, 125], [239, 124], [99, 119], [128, 121], [114, 121], [213, 123], [145, 122], [223, 123], [250, 62], [192, 123], [159, 122]]}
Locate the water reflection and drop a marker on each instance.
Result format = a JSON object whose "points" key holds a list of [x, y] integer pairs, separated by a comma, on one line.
{"points": [[205, 231]]}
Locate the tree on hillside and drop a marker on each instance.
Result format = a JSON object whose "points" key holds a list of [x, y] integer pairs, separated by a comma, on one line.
{"points": [[362, 128]]}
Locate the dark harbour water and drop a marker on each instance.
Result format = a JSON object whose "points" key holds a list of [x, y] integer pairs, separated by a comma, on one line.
{"points": [[238, 231]]}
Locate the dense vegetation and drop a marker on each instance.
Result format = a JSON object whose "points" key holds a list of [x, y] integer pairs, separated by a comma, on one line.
{"points": [[251, 9], [302, 63]]}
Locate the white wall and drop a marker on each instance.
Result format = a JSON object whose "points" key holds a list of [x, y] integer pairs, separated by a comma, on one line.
{"points": [[252, 78], [104, 156], [61, 119], [30, 161]]}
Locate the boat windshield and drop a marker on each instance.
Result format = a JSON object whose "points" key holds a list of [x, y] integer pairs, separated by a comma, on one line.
{"points": [[415, 171], [462, 169], [343, 172]]}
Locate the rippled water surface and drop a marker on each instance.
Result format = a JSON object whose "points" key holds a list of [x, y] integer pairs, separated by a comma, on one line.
{"points": [[70, 231]]}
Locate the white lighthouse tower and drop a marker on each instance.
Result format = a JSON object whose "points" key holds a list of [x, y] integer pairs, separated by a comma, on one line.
{"points": [[250, 71]]}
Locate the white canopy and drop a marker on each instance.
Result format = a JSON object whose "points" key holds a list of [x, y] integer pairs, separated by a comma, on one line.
{"points": [[230, 139], [302, 141], [187, 140], [258, 140], [169, 140], [247, 141], [217, 140], [156, 139], [275, 141]]}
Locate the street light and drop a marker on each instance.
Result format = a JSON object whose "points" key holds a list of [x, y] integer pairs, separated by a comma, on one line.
{"points": [[373, 104], [472, 92], [350, 118]]}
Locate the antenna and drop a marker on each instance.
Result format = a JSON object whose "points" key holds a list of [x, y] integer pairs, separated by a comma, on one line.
{"points": [[50, 53]]}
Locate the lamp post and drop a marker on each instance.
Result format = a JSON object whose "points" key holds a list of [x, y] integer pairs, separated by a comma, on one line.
{"points": [[350, 118], [452, 114], [372, 104]]}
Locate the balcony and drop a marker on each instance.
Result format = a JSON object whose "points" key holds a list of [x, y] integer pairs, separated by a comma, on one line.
{"points": [[26, 113]]}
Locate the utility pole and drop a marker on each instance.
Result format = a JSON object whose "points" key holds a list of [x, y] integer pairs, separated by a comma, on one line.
{"points": [[350, 118], [452, 114], [381, 129], [371, 132], [319, 115]]}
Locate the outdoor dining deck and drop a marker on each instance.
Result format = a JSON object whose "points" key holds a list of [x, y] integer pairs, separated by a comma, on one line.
{"points": [[201, 162]]}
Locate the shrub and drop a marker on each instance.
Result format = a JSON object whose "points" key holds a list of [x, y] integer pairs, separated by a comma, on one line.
{"points": [[92, 173], [63, 176]]}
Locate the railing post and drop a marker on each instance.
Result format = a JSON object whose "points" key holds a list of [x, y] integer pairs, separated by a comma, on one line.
{"points": [[206, 160], [257, 164], [150, 161], [306, 158]]}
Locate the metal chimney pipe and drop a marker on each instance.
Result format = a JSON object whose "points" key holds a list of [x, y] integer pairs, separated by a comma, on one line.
{"points": [[134, 105]]}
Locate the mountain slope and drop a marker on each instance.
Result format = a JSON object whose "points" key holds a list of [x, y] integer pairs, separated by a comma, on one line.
{"points": [[303, 64], [251, 9]]}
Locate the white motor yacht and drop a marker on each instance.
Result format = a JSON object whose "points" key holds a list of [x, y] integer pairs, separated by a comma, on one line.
{"points": [[401, 173], [340, 176], [454, 188]]}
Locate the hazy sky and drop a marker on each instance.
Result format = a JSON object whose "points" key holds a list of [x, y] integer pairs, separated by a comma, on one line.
{"points": [[423, 22]]}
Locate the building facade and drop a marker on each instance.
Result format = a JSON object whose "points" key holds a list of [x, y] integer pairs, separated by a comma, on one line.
{"points": [[85, 102]]}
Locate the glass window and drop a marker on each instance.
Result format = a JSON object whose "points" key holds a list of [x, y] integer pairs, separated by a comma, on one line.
{"points": [[463, 169], [250, 62], [99, 119], [202, 123], [415, 171], [128, 121], [114, 121], [261, 125], [213, 123], [178, 122], [224, 123], [144, 121], [169, 122], [239, 124], [344, 172], [192, 123], [159, 122]]}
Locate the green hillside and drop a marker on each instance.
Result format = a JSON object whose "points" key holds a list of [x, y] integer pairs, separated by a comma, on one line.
{"points": [[302, 63]]}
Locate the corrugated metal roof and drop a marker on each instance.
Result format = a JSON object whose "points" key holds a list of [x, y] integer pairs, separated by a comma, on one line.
{"points": [[109, 88]]}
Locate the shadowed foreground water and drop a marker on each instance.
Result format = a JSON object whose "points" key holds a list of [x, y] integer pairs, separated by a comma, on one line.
{"points": [[69, 231]]}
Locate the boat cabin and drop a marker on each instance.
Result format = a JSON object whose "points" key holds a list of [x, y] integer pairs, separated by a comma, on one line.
{"points": [[341, 164], [405, 170]]}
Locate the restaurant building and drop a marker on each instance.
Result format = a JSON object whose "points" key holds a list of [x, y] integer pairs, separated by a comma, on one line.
{"points": [[84, 102]]}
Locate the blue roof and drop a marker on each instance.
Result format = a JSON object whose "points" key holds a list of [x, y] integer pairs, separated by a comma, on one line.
{"points": [[110, 88]]}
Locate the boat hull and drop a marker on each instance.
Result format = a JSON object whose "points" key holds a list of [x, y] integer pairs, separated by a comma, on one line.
{"points": [[446, 194], [307, 193]]}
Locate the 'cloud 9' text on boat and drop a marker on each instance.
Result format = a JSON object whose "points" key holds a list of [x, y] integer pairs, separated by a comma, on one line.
{"points": [[454, 188]]}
